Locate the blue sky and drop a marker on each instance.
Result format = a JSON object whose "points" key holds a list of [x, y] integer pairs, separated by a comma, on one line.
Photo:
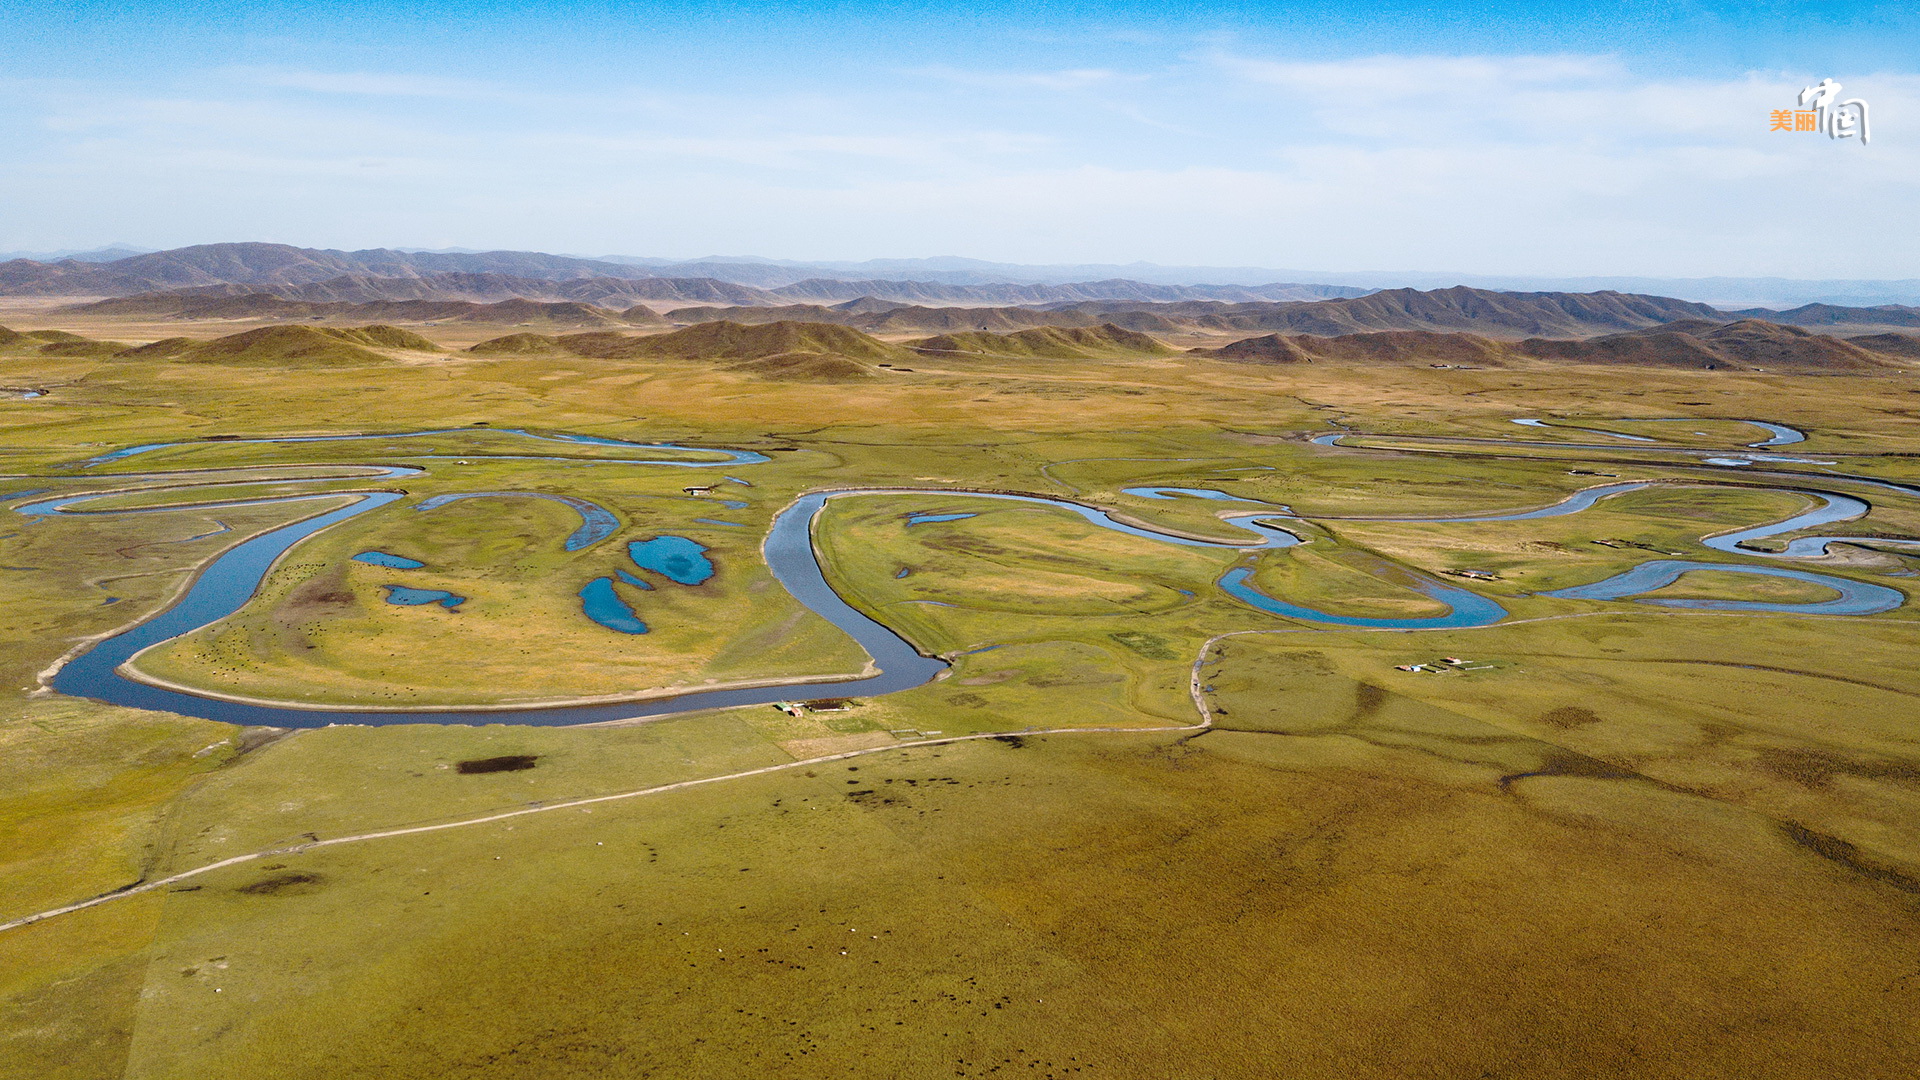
{"points": [[1534, 138]]}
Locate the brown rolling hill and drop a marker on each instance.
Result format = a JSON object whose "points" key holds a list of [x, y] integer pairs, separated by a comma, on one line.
{"points": [[1480, 311], [828, 290], [1049, 343], [1750, 344], [749, 314], [1389, 346], [289, 346], [796, 346], [57, 343], [521, 345], [1906, 346], [734, 341], [880, 317], [1747, 345], [804, 367]]}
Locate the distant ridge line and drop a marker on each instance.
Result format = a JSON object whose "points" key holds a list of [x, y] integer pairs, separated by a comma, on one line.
{"points": [[498, 275], [121, 271], [610, 304]]}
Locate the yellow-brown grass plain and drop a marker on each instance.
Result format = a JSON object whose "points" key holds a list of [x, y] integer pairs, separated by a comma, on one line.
{"points": [[1630, 842]]}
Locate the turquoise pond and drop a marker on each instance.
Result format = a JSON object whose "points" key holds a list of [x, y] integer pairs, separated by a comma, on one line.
{"points": [[603, 605], [391, 562], [675, 557], [407, 596]]}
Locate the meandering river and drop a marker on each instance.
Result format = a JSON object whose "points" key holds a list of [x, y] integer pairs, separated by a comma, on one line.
{"points": [[233, 576]]}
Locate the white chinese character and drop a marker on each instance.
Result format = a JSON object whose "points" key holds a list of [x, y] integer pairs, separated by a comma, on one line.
{"points": [[1842, 120]]}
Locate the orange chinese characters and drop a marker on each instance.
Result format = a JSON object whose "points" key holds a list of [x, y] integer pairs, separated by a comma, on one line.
{"points": [[1782, 120]]}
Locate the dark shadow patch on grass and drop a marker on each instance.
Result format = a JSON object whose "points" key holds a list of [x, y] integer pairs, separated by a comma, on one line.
{"points": [[504, 763], [1570, 716], [290, 884], [1563, 763], [1368, 699], [1814, 768], [1840, 852]]}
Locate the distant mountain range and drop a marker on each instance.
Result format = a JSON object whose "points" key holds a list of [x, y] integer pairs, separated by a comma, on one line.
{"points": [[123, 271], [831, 352], [385, 274], [1497, 314], [277, 264], [109, 253], [608, 303], [1727, 292]]}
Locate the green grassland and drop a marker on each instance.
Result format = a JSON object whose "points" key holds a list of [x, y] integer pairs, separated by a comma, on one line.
{"points": [[1618, 841], [323, 632]]}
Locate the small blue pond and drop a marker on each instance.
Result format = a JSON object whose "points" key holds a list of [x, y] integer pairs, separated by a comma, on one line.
{"points": [[922, 519], [678, 558], [406, 596], [634, 580], [381, 558], [604, 606]]}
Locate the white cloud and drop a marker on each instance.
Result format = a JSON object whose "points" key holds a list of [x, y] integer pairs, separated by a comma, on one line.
{"points": [[1538, 165]]}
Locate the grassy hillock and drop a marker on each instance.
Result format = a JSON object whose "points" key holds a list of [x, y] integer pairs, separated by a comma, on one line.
{"points": [[1749, 344], [57, 343], [713, 341], [1389, 346], [1902, 345], [290, 346], [1697, 343], [804, 367], [519, 345], [1048, 342], [733, 341]]}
